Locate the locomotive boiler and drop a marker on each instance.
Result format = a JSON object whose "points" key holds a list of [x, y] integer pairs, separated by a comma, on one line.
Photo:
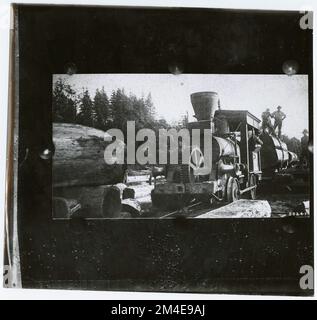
{"points": [[235, 166]]}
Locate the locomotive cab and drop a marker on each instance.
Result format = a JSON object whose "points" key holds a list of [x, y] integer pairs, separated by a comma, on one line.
{"points": [[245, 127]]}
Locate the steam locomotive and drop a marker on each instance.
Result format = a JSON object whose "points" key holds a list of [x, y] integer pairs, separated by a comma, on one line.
{"points": [[241, 156]]}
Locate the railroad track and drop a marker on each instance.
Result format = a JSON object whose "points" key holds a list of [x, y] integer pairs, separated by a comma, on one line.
{"points": [[190, 211], [281, 204]]}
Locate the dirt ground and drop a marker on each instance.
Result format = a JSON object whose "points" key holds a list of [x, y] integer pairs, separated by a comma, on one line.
{"points": [[283, 204]]}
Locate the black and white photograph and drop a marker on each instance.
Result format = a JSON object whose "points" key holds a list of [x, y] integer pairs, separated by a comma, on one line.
{"points": [[126, 147], [160, 151]]}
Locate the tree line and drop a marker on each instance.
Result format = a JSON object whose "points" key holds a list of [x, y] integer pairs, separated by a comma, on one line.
{"points": [[103, 112], [293, 144]]}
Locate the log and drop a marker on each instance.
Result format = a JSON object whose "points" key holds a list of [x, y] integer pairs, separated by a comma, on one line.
{"points": [[138, 179], [111, 206], [79, 157], [94, 201], [142, 190], [241, 209], [125, 192], [128, 193], [121, 187], [65, 208], [132, 206]]}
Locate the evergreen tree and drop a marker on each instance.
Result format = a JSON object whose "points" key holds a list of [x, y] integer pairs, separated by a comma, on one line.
{"points": [[118, 109], [101, 107], [86, 113], [64, 102], [150, 110]]}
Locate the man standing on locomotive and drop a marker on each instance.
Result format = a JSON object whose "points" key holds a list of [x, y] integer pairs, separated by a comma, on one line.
{"points": [[266, 121], [278, 116]]}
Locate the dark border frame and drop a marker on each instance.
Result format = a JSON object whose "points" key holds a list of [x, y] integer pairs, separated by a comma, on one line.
{"points": [[245, 256]]}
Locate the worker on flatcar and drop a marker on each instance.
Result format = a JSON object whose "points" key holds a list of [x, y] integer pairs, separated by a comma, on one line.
{"points": [[266, 121], [279, 117]]}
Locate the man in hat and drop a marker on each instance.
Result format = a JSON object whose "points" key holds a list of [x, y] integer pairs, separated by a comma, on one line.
{"points": [[304, 146], [278, 116], [266, 121]]}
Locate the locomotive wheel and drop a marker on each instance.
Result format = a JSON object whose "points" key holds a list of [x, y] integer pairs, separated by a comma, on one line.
{"points": [[232, 190], [252, 182]]}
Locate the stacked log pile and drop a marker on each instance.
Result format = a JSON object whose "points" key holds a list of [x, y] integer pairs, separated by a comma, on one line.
{"points": [[82, 180], [84, 185]]}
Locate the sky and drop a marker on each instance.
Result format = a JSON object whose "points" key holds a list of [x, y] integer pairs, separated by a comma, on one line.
{"points": [[171, 93]]}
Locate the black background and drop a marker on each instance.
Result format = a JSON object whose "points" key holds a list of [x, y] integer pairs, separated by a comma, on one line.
{"points": [[243, 256]]}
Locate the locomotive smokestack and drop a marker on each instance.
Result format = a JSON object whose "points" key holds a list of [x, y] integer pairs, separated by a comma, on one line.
{"points": [[204, 104]]}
